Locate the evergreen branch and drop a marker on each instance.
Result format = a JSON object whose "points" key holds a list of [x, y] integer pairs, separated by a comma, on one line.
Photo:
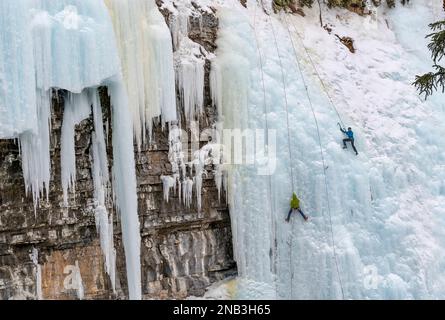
{"points": [[437, 45], [428, 83], [439, 25]]}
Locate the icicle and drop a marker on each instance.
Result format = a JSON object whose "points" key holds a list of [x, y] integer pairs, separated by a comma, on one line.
{"points": [[161, 53], [218, 180], [124, 182], [179, 25], [105, 229], [189, 64], [168, 183], [198, 166], [179, 184], [197, 179], [99, 142], [35, 151], [187, 192], [35, 260], [77, 108], [176, 155], [104, 223]]}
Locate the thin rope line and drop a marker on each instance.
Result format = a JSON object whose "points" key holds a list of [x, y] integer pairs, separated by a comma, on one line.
{"points": [[272, 216], [289, 141], [286, 102], [319, 76], [322, 157]]}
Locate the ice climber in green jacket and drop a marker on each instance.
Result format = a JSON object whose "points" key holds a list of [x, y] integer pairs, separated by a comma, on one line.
{"points": [[295, 205]]}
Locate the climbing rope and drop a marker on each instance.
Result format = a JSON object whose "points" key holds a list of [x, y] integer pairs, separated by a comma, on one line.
{"points": [[288, 137], [322, 157], [285, 102], [325, 89], [266, 122]]}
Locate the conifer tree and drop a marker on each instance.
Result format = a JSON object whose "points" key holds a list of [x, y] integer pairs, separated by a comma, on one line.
{"points": [[433, 81]]}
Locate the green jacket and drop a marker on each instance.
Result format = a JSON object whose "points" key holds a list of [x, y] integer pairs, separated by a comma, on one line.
{"points": [[295, 202]]}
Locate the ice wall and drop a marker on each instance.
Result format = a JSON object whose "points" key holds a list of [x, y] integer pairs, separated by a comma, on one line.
{"points": [[400, 157], [17, 85], [375, 220], [235, 80], [235, 49], [78, 36]]}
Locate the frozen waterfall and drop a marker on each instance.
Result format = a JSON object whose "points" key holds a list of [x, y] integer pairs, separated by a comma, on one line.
{"points": [[280, 82], [370, 233]]}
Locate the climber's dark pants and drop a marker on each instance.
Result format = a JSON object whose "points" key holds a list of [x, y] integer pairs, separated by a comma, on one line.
{"points": [[352, 144], [299, 210]]}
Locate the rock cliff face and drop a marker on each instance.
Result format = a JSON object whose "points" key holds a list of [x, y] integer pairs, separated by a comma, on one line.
{"points": [[183, 250]]}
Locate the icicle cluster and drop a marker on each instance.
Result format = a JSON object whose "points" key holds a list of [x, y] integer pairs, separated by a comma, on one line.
{"points": [[146, 52], [189, 63], [179, 23], [35, 34], [70, 45], [190, 58], [77, 108], [177, 160], [35, 151], [189, 175]]}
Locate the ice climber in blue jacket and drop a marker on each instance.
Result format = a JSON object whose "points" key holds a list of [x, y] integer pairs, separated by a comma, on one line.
{"points": [[350, 138]]}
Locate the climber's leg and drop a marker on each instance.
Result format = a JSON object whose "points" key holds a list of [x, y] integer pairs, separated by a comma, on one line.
{"points": [[288, 216], [302, 214], [353, 147]]}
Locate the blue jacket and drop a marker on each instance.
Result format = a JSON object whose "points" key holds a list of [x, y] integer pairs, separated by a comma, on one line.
{"points": [[349, 133]]}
